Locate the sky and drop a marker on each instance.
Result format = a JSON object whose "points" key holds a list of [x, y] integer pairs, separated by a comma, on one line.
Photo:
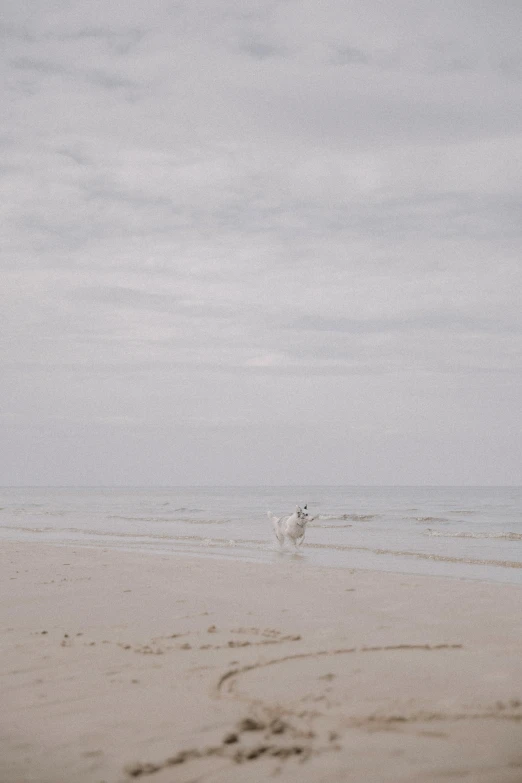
{"points": [[262, 242]]}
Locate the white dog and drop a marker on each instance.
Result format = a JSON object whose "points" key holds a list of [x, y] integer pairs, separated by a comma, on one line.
{"points": [[292, 527]]}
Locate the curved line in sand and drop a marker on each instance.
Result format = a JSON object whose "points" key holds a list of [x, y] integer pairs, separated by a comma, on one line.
{"points": [[342, 651], [497, 712]]}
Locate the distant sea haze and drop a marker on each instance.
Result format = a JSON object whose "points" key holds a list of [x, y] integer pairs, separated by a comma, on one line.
{"points": [[460, 532]]}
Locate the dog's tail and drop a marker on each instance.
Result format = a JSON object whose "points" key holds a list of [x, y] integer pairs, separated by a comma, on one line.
{"points": [[275, 527]]}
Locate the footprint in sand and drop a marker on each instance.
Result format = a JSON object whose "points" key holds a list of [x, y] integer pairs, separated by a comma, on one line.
{"points": [[253, 737]]}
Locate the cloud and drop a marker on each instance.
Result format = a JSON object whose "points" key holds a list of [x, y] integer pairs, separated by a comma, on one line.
{"points": [[93, 76], [348, 55], [438, 321], [264, 212]]}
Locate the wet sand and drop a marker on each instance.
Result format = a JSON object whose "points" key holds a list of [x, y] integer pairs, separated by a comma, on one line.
{"points": [[117, 666]]}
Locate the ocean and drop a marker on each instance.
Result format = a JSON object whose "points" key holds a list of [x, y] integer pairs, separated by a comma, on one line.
{"points": [[459, 532]]}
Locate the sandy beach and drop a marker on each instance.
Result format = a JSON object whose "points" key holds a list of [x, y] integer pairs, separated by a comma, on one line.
{"points": [[119, 665]]}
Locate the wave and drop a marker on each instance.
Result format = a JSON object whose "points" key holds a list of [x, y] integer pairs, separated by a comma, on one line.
{"points": [[143, 539], [352, 517], [33, 511], [27, 508], [424, 556], [431, 519], [463, 511], [26, 529], [124, 518], [187, 510], [190, 520], [467, 534]]}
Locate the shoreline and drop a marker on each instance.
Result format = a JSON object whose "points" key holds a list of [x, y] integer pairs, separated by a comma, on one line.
{"points": [[463, 533], [368, 559], [112, 660]]}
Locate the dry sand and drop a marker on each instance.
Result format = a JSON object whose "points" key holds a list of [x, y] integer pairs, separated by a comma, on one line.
{"points": [[118, 666]]}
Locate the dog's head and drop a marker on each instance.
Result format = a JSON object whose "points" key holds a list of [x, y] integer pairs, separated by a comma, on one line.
{"points": [[302, 513]]}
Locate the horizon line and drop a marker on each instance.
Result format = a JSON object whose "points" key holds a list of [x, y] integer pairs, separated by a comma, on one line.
{"points": [[259, 486]]}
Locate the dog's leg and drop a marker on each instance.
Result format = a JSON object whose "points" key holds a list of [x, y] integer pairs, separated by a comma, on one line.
{"points": [[295, 542]]}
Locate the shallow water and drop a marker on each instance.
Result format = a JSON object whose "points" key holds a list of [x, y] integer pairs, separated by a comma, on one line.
{"points": [[466, 532]]}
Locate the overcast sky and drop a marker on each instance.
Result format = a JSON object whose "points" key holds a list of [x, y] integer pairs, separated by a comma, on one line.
{"points": [[254, 242]]}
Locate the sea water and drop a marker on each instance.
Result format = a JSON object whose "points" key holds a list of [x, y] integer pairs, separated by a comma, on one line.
{"points": [[462, 532]]}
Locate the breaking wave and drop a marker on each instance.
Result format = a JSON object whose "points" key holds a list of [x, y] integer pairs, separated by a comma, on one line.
{"points": [[346, 517], [431, 519], [190, 520], [467, 534]]}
